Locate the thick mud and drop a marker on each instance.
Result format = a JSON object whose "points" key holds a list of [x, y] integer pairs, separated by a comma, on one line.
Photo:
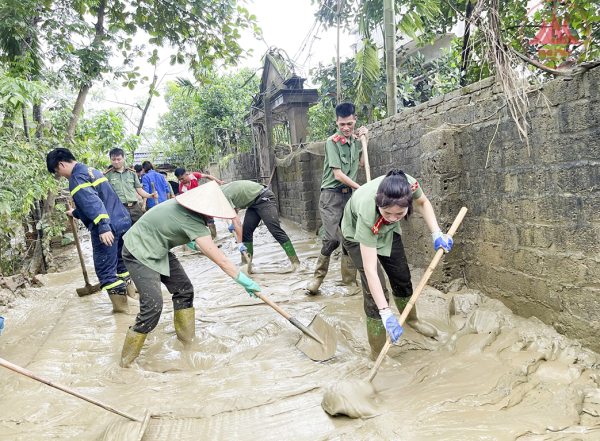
{"points": [[473, 372]]}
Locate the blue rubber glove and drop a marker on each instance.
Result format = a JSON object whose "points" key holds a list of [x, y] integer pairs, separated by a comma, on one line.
{"points": [[242, 247], [1, 324], [391, 325], [442, 240], [192, 245], [231, 228], [249, 284]]}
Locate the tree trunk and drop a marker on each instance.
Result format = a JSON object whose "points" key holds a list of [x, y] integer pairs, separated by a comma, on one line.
{"points": [[83, 91], [465, 46], [389, 23], [39, 120], [150, 95]]}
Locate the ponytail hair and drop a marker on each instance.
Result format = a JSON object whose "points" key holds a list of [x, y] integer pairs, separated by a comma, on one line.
{"points": [[394, 190]]}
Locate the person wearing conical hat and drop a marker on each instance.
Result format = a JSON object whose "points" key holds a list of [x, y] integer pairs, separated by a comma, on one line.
{"points": [[372, 235], [259, 202], [150, 262]]}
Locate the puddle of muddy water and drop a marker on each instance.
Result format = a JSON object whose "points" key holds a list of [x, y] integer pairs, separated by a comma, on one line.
{"points": [[479, 374]]}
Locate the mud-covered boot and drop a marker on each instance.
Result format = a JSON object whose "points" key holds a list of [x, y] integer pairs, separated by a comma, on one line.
{"points": [[401, 303], [131, 289], [134, 341], [249, 251], [185, 325], [376, 334], [118, 297], [319, 275], [348, 270], [213, 229], [291, 253]]}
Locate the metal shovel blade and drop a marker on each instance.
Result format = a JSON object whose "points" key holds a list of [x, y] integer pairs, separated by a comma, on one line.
{"points": [[312, 348], [88, 289]]}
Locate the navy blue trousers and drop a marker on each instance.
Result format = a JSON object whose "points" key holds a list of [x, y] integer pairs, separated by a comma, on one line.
{"points": [[108, 262]]}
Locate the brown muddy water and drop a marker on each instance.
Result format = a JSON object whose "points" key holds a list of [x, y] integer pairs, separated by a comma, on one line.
{"points": [[473, 372]]}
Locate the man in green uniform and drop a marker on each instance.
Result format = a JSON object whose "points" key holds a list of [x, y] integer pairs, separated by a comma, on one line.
{"points": [[260, 204], [372, 235], [126, 184], [147, 256], [342, 161]]}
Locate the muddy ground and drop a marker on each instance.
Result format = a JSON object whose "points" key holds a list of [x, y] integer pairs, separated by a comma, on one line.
{"points": [[478, 373]]}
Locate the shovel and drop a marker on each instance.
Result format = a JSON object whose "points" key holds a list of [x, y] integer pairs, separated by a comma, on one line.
{"points": [[143, 420], [87, 289], [319, 341], [353, 397], [365, 153], [153, 190]]}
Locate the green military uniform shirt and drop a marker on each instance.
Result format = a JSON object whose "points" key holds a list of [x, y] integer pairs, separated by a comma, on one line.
{"points": [[342, 153], [166, 226], [241, 194], [124, 183], [361, 216]]}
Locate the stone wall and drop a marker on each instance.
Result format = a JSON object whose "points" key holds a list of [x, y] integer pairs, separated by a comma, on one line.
{"points": [[531, 237], [240, 166]]}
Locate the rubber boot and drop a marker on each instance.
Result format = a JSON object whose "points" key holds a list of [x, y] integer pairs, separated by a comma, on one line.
{"points": [[319, 275], [213, 230], [134, 341], [291, 253], [185, 325], [131, 289], [376, 334], [348, 270], [118, 297], [249, 251], [401, 303]]}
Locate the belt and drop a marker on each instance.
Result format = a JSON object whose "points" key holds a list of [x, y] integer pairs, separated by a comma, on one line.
{"points": [[129, 204], [338, 189], [263, 191]]}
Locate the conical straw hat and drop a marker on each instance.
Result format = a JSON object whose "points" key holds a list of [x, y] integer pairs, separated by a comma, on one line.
{"points": [[207, 199]]}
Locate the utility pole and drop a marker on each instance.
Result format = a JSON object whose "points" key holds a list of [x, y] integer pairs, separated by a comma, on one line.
{"points": [[389, 23], [339, 86]]}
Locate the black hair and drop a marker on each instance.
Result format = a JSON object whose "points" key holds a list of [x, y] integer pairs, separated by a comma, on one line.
{"points": [[394, 190], [137, 168], [179, 171], [116, 152], [162, 172], [147, 166], [344, 110], [58, 155]]}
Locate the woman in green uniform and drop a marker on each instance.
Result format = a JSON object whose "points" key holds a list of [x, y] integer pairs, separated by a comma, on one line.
{"points": [[372, 234], [147, 256]]}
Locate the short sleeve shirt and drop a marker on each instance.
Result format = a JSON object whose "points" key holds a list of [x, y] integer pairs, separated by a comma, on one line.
{"points": [[194, 182], [361, 216], [241, 194], [124, 183], [342, 153], [165, 226]]}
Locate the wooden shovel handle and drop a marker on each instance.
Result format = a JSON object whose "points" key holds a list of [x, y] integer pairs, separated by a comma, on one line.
{"points": [[365, 153], [23, 371], [272, 304], [153, 190], [417, 292]]}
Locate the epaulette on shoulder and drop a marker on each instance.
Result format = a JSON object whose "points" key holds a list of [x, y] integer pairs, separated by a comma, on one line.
{"points": [[355, 135], [336, 138], [105, 172], [132, 169]]}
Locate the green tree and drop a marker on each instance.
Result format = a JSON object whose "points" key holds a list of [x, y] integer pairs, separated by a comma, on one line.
{"points": [[199, 113]]}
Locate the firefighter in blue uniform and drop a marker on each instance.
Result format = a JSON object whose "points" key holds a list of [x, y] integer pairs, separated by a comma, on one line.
{"points": [[102, 212]]}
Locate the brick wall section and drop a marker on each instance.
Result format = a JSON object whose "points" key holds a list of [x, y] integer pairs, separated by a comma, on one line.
{"points": [[532, 235], [239, 167]]}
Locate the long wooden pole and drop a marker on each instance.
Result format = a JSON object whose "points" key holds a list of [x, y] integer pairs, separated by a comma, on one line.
{"points": [[417, 292], [339, 85], [389, 23], [23, 371]]}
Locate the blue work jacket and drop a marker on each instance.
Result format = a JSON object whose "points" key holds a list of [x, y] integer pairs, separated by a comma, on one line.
{"points": [[97, 204], [160, 183]]}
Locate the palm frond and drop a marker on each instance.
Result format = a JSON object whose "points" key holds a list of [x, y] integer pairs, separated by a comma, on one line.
{"points": [[368, 71], [187, 87]]}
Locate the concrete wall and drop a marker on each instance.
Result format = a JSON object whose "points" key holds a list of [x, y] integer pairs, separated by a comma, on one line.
{"points": [[532, 235]]}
